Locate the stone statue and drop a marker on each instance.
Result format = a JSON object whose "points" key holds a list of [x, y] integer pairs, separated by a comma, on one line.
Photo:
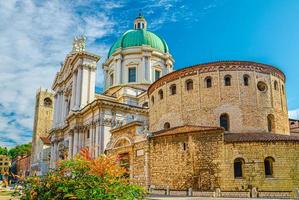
{"points": [[79, 43]]}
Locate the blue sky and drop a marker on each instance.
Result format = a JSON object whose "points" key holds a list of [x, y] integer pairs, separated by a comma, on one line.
{"points": [[36, 35]]}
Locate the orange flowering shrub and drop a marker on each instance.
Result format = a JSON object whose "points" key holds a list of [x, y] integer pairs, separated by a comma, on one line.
{"points": [[83, 178]]}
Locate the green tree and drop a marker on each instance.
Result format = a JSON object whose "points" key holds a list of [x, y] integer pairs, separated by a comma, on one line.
{"points": [[20, 150], [3, 151]]}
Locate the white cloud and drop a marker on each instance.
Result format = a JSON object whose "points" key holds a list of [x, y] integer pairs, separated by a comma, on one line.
{"points": [[35, 37], [294, 114]]}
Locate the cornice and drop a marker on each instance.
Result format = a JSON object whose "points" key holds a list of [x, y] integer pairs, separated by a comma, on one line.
{"points": [[217, 66]]}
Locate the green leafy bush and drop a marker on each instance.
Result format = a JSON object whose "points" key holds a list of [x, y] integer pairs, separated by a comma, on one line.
{"points": [[83, 178]]}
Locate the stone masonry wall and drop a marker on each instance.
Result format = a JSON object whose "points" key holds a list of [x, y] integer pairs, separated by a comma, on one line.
{"points": [[285, 167], [186, 160], [246, 106]]}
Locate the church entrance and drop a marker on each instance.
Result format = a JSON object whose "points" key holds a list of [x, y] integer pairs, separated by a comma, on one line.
{"points": [[124, 160]]}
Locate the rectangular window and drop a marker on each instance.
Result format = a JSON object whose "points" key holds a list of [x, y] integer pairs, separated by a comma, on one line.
{"points": [[157, 74], [132, 74]]}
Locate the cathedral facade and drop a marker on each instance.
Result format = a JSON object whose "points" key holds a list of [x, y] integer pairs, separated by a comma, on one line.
{"points": [[221, 125]]}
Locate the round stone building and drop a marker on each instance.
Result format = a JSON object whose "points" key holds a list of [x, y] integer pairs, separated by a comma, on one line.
{"points": [[240, 96]]}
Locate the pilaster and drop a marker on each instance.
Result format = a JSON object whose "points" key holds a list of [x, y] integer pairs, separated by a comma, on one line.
{"points": [[73, 97], [78, 89]]}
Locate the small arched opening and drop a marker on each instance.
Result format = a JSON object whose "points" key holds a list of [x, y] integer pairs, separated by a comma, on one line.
{"points": [[160, 94], [47, 102], [189, 85], [172, 89], [270, 123], [166, 125], [268, 164], [239, 167], [208, 82], [227, 80], [246, 80], [224, 121]]}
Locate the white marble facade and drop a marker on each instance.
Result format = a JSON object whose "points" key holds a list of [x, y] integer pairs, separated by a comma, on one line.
{"points": [[83, 118]]}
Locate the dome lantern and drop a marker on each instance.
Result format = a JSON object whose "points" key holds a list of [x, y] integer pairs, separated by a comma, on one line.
{"points": [[140, 22]]}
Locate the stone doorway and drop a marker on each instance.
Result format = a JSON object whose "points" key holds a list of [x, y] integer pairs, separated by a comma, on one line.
{"points": [[124, 160]]}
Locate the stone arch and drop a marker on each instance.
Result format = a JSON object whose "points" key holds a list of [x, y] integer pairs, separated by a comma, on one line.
{"points": [[189, 84], [224, 121], [271, 123], [121, 142], [268, 165], [246, 79], [227, 80], [208, 82], [161, 94], [172, 89], [239, 167], [47, 102]]}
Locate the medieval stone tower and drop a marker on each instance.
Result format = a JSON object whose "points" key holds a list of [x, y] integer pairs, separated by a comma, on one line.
{"points": [[42, 122]]}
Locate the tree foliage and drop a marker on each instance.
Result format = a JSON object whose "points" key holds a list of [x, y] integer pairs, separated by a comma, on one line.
{"points": [[83, 178], [20, 150], [3, 151]]}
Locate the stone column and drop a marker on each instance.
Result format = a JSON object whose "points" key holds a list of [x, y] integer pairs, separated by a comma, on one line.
{"points": [[149, 70], [80, 143], [71, 139], [52, 155], [84, 87], [73, 97], [90, 140], [118, 70], [78, 88], [59, 111], [75, 143], [55, 111], [96, 140], [62, 107], [145, 68], [92, 84], [55, 153]]}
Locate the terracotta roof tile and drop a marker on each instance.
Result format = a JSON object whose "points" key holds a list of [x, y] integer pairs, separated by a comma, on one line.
{"points": [[258, 137], [185, 129], [45, 140]]}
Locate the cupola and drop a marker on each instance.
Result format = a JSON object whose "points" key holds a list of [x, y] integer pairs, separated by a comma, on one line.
{"points": [[140, 22]]}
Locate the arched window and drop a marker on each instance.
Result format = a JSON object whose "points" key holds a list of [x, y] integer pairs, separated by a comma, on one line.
{"points": [[160, 94], [153, 100], [275, 85], [238, 167], [145, 105], [166, 125], [227, 80], [189, 85], [208, 82], [268, 164], [282, 88], [246, 80], [270, 122], [47, 102], [224, 121], [172, 89]]}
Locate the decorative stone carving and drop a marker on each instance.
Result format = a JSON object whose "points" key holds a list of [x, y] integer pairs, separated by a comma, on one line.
{"points": [[79, 44]]}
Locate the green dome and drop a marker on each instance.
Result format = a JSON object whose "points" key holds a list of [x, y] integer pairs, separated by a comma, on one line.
{"points": [[139, 37]]}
